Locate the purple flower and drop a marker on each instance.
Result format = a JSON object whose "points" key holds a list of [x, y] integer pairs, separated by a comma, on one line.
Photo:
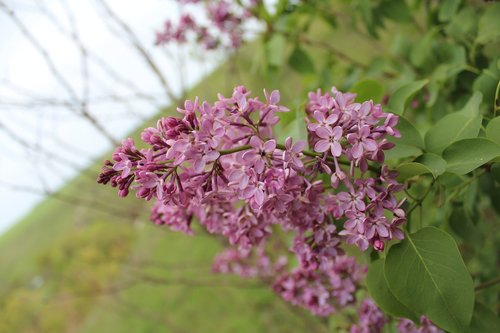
{"points": [[361, 142], [371, 319], [426, 326], [322, 121], [259, 155], [219, 164], [329, 140], [292, 154]]}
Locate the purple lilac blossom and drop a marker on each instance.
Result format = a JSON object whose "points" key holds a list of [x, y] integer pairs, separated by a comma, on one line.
{"points": [[220, 164], [370, 318], [426, 326], [224, 28]]}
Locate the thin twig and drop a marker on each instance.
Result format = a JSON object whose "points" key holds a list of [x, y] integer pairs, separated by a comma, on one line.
{"points": [[487, 284]]}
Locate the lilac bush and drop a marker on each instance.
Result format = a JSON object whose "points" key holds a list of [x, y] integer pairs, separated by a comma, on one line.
{"points": [[220, 164]]}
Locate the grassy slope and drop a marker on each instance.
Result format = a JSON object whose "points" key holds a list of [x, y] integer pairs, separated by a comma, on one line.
{"points": [[225, 305]]}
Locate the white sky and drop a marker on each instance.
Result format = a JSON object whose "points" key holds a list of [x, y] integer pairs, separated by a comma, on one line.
{"points": [[45, 127]]}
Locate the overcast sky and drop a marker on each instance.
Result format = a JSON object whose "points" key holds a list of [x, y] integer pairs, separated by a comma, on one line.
{"points": [[23, 71]]}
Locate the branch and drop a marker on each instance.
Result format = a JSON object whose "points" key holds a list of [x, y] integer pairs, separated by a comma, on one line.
{"points": [[487, 284], [134, 41], [82, 110]]}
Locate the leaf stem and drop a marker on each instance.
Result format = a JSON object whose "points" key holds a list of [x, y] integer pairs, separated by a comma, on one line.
{"points": [[305, 152], [495, 105], [419, 202], [235, 150]]}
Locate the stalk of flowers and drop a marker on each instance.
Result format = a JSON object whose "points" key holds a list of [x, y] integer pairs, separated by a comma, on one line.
{"points": [[220, 164], [224, 27]]}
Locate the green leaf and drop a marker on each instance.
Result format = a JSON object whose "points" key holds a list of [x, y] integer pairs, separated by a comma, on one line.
{"points": [[301, 62], [483, 320], [471, 108], [434, 162], [489, 25], [380, 292], [451, 128], [493, 130], [462, 124], [422, 53], [368, 89], [402, 151], [462, 26], [411, 169], [295, 128], [487, 81], [461, 224], [402, 96], [395, 10], [426, 273], [466, 155], [448, 9]]}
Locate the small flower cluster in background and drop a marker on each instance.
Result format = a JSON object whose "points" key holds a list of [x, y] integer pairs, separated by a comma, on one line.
{"points": [[426, 326], [372, 320], [223, 29], [220, 165]]}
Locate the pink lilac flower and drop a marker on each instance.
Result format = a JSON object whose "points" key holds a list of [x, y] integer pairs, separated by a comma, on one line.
{"points": [[321, 291], [257, 157], [220, 165], [293, 153], [248, 264], [371, 319], [329, 140], [426, 326], [225, 28]]}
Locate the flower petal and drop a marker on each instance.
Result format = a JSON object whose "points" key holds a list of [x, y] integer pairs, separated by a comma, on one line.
{"points": [[321, 146]]}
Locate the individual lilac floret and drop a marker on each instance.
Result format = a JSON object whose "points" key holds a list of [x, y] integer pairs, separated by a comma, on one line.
{"points": [[293, 153], [329, 140]]}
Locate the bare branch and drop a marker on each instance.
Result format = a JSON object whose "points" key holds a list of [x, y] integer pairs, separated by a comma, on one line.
{"points": [[82, 108], [134, 41]]}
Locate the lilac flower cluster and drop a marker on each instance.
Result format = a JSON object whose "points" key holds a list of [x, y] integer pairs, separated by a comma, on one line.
{"points": [[339, 127], [220, 164], [371, 319], [426, 326], [224, 26], [324, 290], [249, 263]]}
